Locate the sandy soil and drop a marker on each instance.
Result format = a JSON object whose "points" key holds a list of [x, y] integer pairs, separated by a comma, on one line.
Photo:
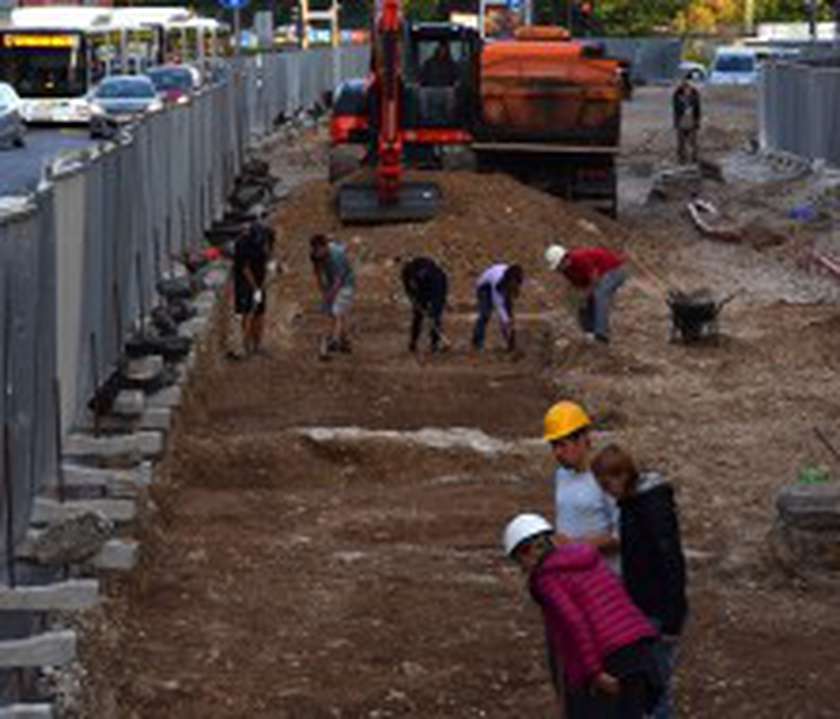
{"points": [[286, 576]]}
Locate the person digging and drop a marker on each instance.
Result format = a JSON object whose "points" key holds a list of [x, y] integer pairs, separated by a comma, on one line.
{"points": [[497, 289], [597, 273], [426, 285], [251, 259], [336, 281]]}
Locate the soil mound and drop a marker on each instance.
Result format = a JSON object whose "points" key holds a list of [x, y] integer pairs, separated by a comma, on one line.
{"points": [[484, 219]]}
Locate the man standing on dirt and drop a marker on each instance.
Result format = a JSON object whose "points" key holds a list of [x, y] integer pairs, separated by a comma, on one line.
{"points": [[252, 252], [497, 289], [686, 108], [426, 285], [598, 273], [337, 283]]}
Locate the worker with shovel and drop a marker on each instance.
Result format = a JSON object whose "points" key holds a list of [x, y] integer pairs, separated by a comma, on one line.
{"points": [[497, 289], [251, 260], [426, 285], [597, 273], [337, 282]]}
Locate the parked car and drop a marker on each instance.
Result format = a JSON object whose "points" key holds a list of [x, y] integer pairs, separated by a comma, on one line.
{"points": [[694, 71], [174, 84], [120, 100], [734, 66], [12, 126]]}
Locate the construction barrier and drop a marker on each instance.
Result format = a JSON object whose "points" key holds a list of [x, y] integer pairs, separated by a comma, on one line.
{"points": [[79, 260], [797, 110], [652, 59]]}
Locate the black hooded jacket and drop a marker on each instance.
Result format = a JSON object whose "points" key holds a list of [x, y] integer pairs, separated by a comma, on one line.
{"points": [[652, 561]]}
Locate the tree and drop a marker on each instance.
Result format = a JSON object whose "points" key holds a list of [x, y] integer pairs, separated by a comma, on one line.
{"points": [[421, 9]]}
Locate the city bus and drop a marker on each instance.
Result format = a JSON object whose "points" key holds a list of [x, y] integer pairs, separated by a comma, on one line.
{"points": [[157, 21], [53, 58]]}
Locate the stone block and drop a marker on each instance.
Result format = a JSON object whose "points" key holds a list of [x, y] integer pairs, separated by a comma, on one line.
{"points": [[169, 398], [27, 711], [117, 555], [68, 542], [144, 369], [146, 444], [69, 596], [157, 418], [114, 482], [810, 506], [129, 403], [50, 649], [806, 535], [51, 511]]}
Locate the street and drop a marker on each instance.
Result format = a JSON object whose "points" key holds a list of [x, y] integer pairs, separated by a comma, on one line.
{"points": [[21, 168]]}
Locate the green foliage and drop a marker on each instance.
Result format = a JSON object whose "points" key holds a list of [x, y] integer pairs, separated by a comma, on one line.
{"points": [[421, 9], [626, 17]]}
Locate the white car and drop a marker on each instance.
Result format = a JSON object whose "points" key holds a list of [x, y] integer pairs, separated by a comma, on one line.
{"points": [[734, 66], [12, 126]]}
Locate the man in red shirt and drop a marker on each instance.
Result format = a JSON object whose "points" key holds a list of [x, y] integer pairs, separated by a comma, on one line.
{"points": [[598, 273]]}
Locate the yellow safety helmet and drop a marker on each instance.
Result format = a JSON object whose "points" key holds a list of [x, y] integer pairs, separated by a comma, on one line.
{"points": [[563, 419]]}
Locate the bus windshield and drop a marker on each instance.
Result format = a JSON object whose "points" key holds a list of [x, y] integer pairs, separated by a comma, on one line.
{"points": [[43, 64]]}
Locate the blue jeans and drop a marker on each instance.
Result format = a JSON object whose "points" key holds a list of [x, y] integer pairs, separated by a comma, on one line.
{"points": [[595, 315], [484, 299], [666, 655]]}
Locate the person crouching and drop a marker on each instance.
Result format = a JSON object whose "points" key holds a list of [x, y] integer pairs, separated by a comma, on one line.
{"points": [[593, 629]]}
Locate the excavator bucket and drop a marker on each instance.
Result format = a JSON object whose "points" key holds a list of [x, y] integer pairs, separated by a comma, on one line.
{"points": [[416, 202]]}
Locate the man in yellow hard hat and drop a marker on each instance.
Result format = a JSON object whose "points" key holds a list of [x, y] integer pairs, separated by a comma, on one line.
{"points": [[584, 512]]}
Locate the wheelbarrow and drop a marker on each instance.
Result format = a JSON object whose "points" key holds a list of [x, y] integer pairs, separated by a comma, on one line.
{"points": [[694, 315]]}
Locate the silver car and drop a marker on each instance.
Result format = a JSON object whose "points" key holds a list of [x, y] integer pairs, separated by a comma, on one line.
{"points": [[12, 127], [120, 100]]}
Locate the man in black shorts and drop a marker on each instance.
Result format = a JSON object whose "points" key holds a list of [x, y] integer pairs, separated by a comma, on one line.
{"points": [[250, 266], [426, 285]]}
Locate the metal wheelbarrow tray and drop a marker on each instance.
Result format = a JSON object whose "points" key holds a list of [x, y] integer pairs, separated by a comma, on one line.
{"points": [[694, 315]]}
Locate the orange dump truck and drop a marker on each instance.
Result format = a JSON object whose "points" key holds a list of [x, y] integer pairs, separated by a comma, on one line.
{"points": [[541, 107], [550, 113]]}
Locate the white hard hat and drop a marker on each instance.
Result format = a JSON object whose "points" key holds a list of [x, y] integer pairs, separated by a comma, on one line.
{"points": [[554, 256], [522, 527]]}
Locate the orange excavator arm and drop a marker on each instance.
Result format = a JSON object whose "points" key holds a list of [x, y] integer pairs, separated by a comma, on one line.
{"points": [[388, 71], [390, 199]]}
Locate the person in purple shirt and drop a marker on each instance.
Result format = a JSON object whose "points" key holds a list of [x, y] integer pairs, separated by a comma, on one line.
{"points": [[497, 289]]}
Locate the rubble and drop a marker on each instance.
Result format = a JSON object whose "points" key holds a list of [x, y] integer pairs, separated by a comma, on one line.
{"points": [[73, 540]]}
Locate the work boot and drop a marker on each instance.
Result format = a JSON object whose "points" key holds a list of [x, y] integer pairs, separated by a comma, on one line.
{"points": [[344, 346], [333, 345]]}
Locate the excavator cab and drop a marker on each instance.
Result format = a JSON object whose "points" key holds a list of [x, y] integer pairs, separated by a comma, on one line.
{"points": [[441, 76], [420, 96]]}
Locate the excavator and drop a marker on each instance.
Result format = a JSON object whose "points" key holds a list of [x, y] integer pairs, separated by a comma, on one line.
{"points": [[540, 106]]}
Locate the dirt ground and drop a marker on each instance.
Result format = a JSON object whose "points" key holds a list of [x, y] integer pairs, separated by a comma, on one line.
{"points": [[291, 573]]}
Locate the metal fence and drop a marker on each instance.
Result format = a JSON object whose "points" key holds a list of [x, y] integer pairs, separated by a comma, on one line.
{"points": [[80, 258], [652, 59], [798, 110]]}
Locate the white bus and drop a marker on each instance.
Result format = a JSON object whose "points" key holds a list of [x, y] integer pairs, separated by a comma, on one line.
{"points": [[54, 56], [158, 21]]}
